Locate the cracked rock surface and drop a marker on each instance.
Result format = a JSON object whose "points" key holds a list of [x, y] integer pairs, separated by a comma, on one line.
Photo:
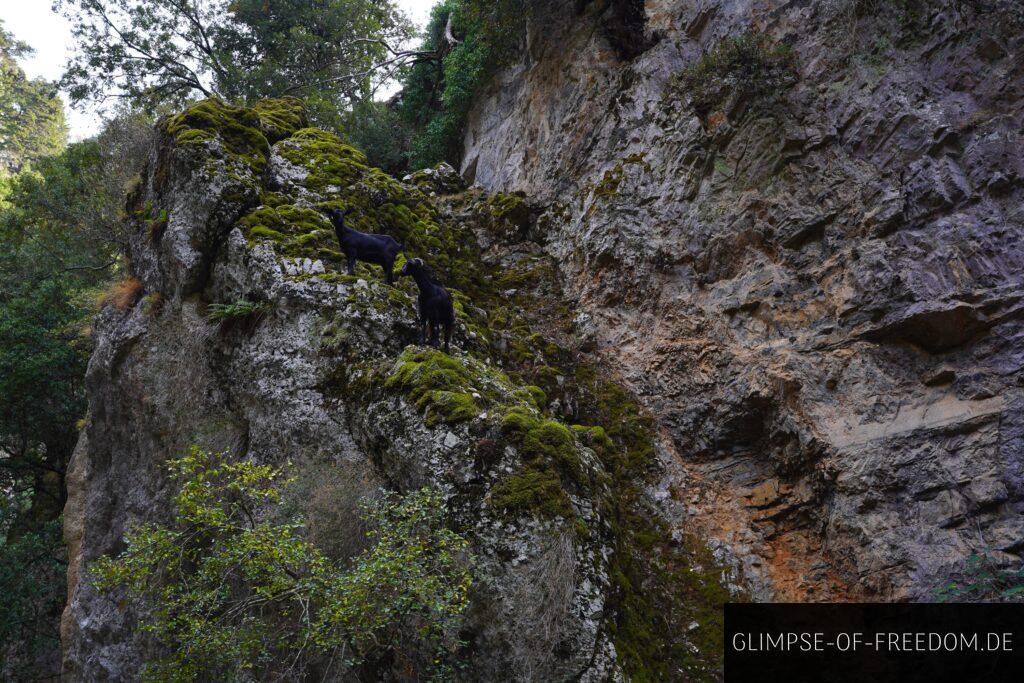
{"points": [[818, 293]]}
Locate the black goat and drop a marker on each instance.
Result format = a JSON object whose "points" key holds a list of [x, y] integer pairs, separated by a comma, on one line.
{"points": [[359, 246], [435, 303]]}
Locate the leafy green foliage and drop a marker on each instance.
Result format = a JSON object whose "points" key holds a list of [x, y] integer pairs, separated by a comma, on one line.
{"points": [[227, 589], [167, 51], [236, 310], [379, 130], [437, 94], [983, 580], [746, 68], [33, 573], [31, 113], [50, 265], [42, 366], [60, 229]]}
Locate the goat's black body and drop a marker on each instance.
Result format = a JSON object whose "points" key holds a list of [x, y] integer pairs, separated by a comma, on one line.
{"points": [[435, 304], [359, 246]]}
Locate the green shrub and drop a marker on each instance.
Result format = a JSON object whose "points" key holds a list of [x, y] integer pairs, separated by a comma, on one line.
{"points": [[229, 593], [747, 68], [383, 135], [33, 589], [984, 581], [436, 97], [239, 310]]}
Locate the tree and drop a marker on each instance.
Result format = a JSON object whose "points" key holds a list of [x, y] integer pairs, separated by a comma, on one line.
{"points": [[33, 587], [380, 131], [227, 589], [469, 40], [158, 51], [61, 227], [31, 113], [61, 232]]}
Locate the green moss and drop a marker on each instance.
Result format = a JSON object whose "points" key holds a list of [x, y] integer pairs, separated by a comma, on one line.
{"points": [[536, 396], [153, 304], [238, 128], [274, 199], [504, 215], [133, 190], [443, 387], [609, 185], [535, 491], [518, 420], [597, 439], [295, 231], [518, 277], [552, 442], [330, 161], [423, 370], [748, 68], [448, 407], [504, 205], [280, 118], [552, 463], [261, 232]]}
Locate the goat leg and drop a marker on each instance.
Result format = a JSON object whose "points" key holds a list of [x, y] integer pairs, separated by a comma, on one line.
{"points": [[351, 265]]}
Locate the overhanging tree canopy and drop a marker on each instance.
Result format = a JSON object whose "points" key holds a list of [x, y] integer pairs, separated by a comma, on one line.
{"points": [[158, 51]]}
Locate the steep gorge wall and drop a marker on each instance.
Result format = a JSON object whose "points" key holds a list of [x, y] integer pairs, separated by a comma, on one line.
{"points": [[820, 296]]}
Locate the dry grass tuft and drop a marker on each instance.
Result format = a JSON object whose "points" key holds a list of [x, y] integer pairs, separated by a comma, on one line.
{"points": [[124, 294]]}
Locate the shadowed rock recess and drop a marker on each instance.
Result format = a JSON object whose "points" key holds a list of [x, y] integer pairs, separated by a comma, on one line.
{"points": [[796, 227], [548, 465]]}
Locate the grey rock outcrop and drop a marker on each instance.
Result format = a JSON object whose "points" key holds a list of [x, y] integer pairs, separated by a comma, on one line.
{"points": [[279, 389], [818, 293]]}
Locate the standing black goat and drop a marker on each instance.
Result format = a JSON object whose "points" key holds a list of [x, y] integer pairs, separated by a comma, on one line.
{"points": [[359, 246], [435, 303]]}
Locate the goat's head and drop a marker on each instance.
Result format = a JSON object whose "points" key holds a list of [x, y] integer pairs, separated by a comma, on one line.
{"points": [[337, 216], [413, 266]]}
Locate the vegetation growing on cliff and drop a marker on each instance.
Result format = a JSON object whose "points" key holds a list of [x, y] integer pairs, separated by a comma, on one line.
{"points": [[230, 590], [740, 70], [472, 38], [984, 580], [511, 380], [60, 231]]}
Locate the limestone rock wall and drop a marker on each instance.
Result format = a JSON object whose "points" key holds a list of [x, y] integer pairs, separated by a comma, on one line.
{"points": [[819, 293]]}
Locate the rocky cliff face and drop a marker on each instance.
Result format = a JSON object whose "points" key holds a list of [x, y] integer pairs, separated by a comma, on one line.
{"points": [[807, 260], [550, 483]]}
